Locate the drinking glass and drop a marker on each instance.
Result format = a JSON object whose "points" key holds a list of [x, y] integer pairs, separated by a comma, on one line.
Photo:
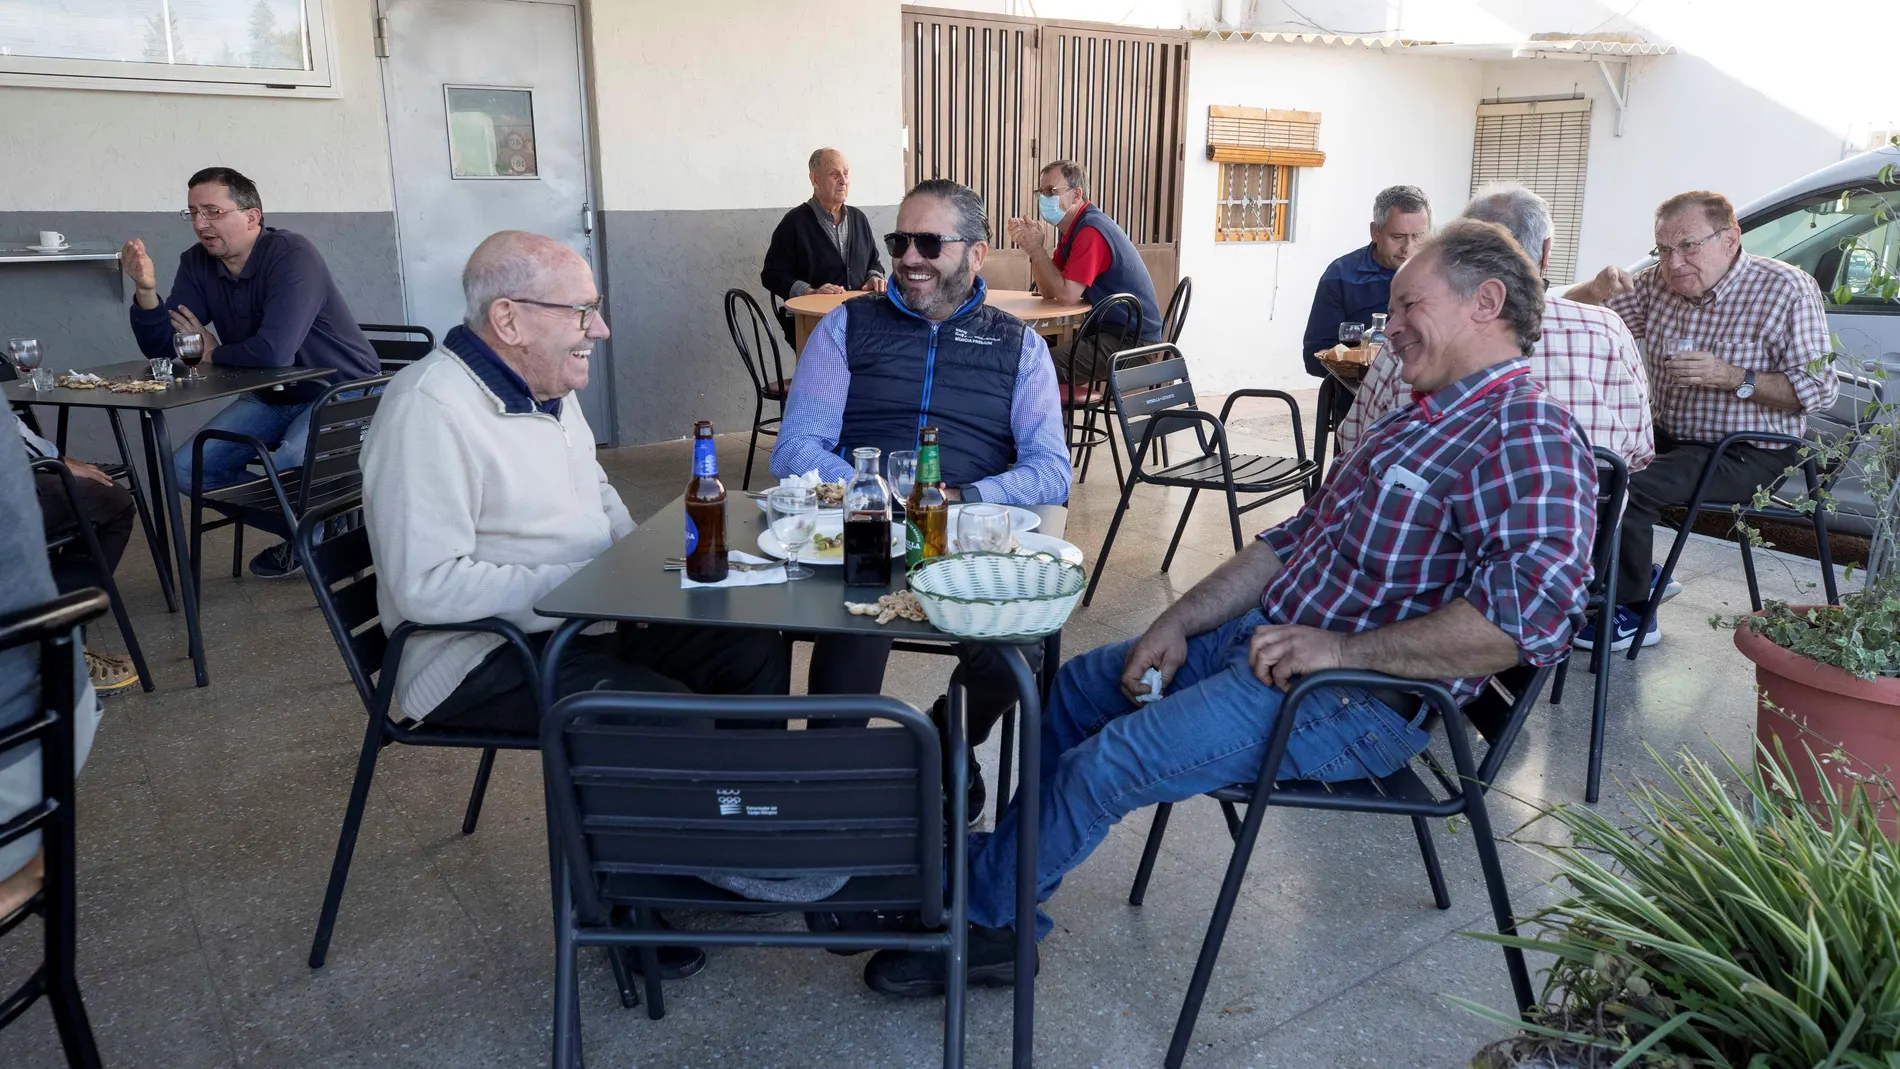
{"points": [[24, 353], [161, 369], [1352, 333], [793, 512], [189, 348], [42, 379], [901, 472], [1677, 346], [982, 529]]}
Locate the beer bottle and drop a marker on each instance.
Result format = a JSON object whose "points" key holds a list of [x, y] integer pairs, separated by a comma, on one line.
{"points": [[927, 512], [867, 524], [705, 511]]}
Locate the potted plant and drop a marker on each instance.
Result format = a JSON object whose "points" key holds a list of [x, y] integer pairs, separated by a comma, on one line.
{"points": [[1718, 932]]}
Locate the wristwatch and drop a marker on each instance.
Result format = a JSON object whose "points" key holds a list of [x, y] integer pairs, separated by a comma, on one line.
{"points": [[1747, 389]]}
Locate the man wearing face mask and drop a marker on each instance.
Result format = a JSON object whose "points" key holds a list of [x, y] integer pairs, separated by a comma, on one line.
{"points": [[1093, 260], [1359, 284], [928, 351]]}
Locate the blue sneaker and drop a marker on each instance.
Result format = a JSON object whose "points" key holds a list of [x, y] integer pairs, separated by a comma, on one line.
{"points": [[1670, 591], [1627, 623]]}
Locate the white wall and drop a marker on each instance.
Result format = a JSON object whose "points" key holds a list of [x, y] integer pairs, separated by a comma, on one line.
{"points": [[717, 105], [1384, 120], [96, 150]]}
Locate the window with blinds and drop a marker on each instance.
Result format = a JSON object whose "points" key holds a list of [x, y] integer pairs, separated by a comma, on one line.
{"points": [[1543, 144], [1258, 149], [1255, 204]]}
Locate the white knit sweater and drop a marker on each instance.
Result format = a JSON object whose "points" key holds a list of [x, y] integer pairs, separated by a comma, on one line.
{"points": [[472, 512]]}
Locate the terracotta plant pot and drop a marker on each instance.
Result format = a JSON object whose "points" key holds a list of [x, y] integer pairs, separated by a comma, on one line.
{"points": [[1802, 698]]}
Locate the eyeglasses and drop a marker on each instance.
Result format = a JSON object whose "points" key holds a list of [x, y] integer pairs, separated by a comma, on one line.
{"points": [[929, 246], [585, 310], [1051, 191], [1683, 249], [207, 214]]}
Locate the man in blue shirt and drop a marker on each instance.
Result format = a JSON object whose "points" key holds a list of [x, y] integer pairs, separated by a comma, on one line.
{"points": [[1359, 283], [928, 350], [274, 304]]}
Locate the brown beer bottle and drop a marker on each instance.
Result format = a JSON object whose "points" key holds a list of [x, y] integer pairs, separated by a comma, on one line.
{"points": [[705, 511], [927, 511]]}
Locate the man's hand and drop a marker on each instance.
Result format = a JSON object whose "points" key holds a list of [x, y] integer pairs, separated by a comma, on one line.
{"points": [[1162, 646], [1704, 370], [137, 265], [1026, 235], [86, 471], [874, 285], [1278, 652], [184, 321], [829, 287]]}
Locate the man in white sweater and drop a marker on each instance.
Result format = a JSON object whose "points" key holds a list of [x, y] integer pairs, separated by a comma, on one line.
{"points": [[482, 494]]}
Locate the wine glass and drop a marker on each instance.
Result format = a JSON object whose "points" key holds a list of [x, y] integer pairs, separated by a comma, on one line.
{"points": [[1352, 333], [189, 348], [26, 355], [982, 529], [793, 512], [901, 472]]}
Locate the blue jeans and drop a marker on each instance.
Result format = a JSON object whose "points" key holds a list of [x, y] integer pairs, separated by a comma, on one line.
{"points": [[1103, 759], [283, 428]]}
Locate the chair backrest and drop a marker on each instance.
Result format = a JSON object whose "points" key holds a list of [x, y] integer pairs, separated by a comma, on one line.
{"points": [[342, 574], [1007, 269], [1500, 709], [1147, 384], [1176, 316], [1613, 491], [753, 333], [339, 422], [643, 790], [398, 345], [1112, 325]]}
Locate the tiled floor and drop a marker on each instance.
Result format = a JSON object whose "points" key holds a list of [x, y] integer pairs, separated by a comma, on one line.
{"points": [[208, 817]]}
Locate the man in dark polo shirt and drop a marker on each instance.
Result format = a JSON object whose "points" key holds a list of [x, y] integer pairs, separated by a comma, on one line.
{"points": [[274, 304], [1359, 284], [823, 245]]}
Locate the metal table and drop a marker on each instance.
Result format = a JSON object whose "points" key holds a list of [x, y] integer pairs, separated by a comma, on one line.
{"points": [[1330, 389], [627, 584], [219, 381]]}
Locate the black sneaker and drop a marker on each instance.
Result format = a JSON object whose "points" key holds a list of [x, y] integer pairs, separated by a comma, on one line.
{"points": [[864, 921], [277, 562], [919, 973], [676, 963], [978, 794]]}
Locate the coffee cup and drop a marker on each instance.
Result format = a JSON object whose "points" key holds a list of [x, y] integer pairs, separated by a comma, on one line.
{"points": [[51, 239]]}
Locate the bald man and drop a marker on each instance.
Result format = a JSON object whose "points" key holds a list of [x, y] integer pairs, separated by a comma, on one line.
{"points": [[823, 245]]}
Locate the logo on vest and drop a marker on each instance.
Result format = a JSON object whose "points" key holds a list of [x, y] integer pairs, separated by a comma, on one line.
{"points": [[964, 337]]}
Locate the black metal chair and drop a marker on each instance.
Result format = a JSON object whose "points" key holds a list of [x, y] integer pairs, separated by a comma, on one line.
{"points": [[645, 797], [1110, 328], [752, 334], [339, 421], [87, 540], [1160, 397], [1613, 488], [1858, 396], [397, 345], [342, 574], [50, 625], [1176, 316], [1498, 714]]}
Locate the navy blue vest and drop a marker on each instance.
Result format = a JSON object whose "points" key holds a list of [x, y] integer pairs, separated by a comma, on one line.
{"points": [[1127, 274], [958, 375]]}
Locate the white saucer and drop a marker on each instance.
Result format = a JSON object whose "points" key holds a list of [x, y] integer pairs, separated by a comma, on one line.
{"points": [[49, 248], [832, 526]]}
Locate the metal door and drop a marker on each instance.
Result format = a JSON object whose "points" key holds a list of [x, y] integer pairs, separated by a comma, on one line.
{"points": [[487, 132]]}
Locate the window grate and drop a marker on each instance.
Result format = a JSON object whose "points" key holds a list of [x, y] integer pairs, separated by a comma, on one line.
{"points": [[1255, 203]]}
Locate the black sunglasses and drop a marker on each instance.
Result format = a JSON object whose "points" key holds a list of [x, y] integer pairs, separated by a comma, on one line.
{"points": [[929, 246]]}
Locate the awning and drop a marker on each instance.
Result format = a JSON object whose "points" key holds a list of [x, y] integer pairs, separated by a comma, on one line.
{"points": [[1556, 48]]}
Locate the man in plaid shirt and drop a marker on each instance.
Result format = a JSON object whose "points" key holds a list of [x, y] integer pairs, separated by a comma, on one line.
{"points": [[1586, 360], [1454, 543], [1734, 343]]}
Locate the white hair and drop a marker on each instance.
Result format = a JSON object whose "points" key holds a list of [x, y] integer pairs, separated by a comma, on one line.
{"points": [[509, 264], [1518, 209]]}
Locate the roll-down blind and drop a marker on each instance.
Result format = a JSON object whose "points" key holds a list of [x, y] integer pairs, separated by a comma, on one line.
{"points": [[1543, 144]]}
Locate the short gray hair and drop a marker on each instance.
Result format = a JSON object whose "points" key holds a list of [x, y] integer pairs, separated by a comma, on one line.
{"points": [[1072, 173], [1516, 208], [1470, 251], [818, 158], [506, 265], [972, 220], [1406, 199]]}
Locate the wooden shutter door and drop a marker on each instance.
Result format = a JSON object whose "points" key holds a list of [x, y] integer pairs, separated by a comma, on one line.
{"points": [[1543, 144]]}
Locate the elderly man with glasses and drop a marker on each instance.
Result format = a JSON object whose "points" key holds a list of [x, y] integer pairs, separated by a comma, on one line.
{"points": [[274, 304], [929, 351], [1734, 343]]}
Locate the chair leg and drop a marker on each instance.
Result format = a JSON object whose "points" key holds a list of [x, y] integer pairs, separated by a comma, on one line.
{"points": [[623, 976], [1232, 815], [1114, 449], [1157, 827], [1433, 872], [1500, 902], [1216, 933], [197, 536], [346, 843], [152, 542], [650, 965], [1823, 551], [75, 1028], [1557, 681], [1599, 724], [1101, 561], [237, 551], [752, 447], [1088, 444], [475, 796], [567, 1016], [130, 636], [1662, 581], [1180, 526], [1006, 750], [1748, 571]]}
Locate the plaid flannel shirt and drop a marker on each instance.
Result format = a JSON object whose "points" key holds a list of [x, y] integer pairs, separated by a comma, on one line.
{"points": [[1764, 315], [1586, 361], [1485, 490]]}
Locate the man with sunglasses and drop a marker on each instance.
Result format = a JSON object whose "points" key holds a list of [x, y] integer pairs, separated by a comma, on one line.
{"points": [[1733, 343], [929, 351], [271, 297]]}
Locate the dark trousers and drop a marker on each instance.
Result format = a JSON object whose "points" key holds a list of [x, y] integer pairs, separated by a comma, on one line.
{"points": [[110, 511], [677, 659], [1668, 481], [854, 664]]}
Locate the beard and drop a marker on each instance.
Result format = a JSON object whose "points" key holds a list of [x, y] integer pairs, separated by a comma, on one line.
{"points": [[952, 289]]}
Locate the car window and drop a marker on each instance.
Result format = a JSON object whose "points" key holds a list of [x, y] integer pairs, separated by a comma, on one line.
{"points": [[1846, 241]]}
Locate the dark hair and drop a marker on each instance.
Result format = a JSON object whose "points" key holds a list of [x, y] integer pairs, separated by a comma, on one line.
{"points": [[1072, 173], [1715, 207], [972, 221], [1470, 251], [243, 191], [1405, 199]]}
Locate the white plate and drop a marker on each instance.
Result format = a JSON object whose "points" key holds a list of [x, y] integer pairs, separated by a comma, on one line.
{"points": [[49, 248], [1020, 518], [1039, 543], [832, 524]]}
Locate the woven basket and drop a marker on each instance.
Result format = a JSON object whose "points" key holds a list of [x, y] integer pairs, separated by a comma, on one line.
{"points": [[997, 595]]}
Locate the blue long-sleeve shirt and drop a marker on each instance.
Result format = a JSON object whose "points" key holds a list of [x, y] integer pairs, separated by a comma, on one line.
{"points": [[1352, 288], [814, 415], [282, 310]]}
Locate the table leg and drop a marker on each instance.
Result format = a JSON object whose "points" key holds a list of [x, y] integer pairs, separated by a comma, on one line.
{"points": [[801, 330], [1028, 816], [161, 459], [160, 527], [1322, 426]]}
